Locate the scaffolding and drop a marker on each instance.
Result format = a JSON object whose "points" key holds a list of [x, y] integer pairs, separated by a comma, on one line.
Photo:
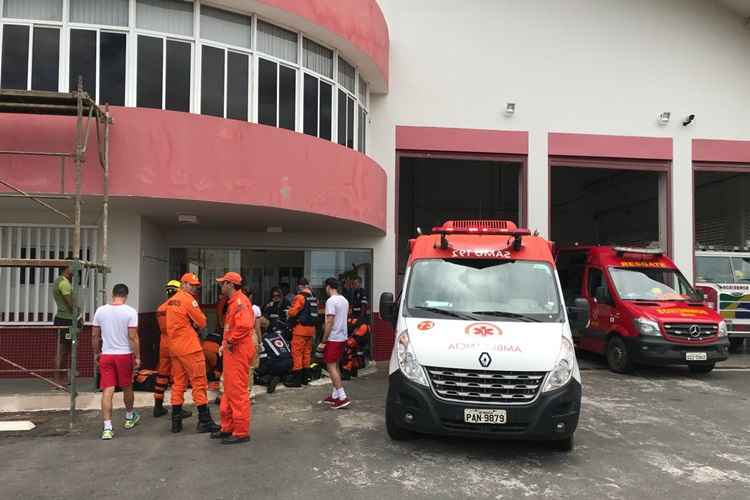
{"points": [[79, 104]]}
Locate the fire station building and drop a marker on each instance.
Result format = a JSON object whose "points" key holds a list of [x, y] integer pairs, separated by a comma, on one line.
{"points": [[289, 138]]}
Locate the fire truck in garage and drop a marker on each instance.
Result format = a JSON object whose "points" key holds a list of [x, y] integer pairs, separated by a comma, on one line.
{"points": [[642, 309], [724, 278]]}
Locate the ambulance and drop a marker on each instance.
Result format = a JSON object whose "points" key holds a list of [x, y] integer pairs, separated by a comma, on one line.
{"points": [[642, 309], [724, 277], [483, 345]]}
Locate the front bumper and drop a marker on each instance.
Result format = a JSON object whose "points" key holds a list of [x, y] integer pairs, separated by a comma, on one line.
{"points": [[656, 350], [535, 421]]}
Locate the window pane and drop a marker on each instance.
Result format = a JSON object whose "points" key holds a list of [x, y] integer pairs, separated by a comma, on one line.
{"points": [[346, 75], [342, 118], [317, 58], [177, 84], [150, 71], [168, 16], [287, 97], [311, 106], [15, 57], [267, 92], [212, 82], [362, 132], [49, 10], [106, 12], [350, 123], [326, 110], [362, 91], [238, 77], [83, 60], [226, 27], [112, 68], [277, 42], [45, 59]]}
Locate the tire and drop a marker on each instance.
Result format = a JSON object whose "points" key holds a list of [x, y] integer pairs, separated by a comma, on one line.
{"points": [[396, 432], [618, 357], [701, 369], [735, 345], [565, 445]]}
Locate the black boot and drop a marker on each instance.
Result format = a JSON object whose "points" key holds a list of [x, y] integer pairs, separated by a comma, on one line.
{"points": [[272, 384], [187, 413], [176, 419], [159, 410], [306, 376], [220, 434], [205, 422], [235, 440], [294, 379]]}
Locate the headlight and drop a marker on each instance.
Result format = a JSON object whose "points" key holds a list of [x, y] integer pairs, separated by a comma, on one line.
{"points": [[723, 330], [647, 327], [563, 370], [407, 360]]}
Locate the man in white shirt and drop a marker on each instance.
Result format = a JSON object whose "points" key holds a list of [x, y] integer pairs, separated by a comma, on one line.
{"points": [[115, 344], [334, 340]]}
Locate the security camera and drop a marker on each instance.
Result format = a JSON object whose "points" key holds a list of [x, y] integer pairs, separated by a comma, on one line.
{"points": [[687, 121]]}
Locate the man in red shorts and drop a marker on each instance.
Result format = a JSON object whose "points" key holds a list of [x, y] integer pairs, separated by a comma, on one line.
{"points": [[115, 344], [334, 340]]}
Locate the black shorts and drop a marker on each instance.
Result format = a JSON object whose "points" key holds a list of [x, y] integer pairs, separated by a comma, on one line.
{"points": [[64, 333]]}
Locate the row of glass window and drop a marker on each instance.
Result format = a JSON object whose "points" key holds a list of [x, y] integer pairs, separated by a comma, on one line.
{"points": [[164, 79]]}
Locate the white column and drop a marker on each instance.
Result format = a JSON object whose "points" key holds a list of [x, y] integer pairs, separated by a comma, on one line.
{"points": [[682, 205], [538, 183]]}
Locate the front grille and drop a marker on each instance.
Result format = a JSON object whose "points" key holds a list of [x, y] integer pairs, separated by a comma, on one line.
{"points": [[691, 331], [485, 387]]}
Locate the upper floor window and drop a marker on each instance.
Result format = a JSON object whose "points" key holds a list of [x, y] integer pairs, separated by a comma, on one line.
{"points": [[165, 16], [42, 10], [30, 58], [225, 83], [102, 70], [102, 12], [163, 73], [226, 27], [346, 75], [277, 90], [277, 42], [317, 58]]}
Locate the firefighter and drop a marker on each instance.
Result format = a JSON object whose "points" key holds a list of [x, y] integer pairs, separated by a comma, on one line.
{"points": [[238, 350], [275, 312], [359, 302], [183, 317], [275, 359], [355, 351], [165, 363], [304, 312]]}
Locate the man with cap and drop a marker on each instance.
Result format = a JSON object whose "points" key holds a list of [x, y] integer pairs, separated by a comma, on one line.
{"points": [[304, 312], [183, 317], [238, 348], [165, 363]]}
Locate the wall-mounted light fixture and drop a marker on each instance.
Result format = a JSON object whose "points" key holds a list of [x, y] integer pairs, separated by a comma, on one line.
{"points": [[187, 219], [663, 117], [688, 120], [510, 108]]}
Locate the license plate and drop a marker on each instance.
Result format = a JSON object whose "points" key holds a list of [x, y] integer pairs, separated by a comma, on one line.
{"points": [[485, 416], [696, 356]]}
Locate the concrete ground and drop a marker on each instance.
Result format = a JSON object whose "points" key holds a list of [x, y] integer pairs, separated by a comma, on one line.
{"points": [[657, 434]]}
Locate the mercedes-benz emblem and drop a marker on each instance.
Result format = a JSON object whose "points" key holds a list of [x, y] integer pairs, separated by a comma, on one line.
{"points": [[695, 331], [485, 360]]}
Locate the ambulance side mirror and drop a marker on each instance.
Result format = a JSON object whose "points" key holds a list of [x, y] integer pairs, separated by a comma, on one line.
{"points": [[387, 307], [579, 314]]}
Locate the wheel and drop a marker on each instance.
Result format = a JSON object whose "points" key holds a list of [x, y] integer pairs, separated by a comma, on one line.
{"points": [[618, 357], [701, 368], [735, 345], [396, 432], [566, 444]]}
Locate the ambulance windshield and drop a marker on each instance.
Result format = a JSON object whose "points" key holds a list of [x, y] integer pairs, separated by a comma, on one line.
{"points": [[483, 289], [652, 284]]}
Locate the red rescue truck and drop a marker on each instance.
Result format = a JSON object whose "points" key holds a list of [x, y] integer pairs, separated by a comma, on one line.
{"points": [[483, 343], [642, 310]]}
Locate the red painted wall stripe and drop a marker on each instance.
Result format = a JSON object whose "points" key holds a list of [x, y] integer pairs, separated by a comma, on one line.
{"points": [[461, 140], [610, 146], [723, 151]]}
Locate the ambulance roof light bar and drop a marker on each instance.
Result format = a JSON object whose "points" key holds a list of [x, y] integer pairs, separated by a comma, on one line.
{"points": [[643, 251], [481, 227]]}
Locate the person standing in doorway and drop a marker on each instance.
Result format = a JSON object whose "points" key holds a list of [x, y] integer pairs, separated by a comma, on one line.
{"points": [[62, 293], [238, 349], [334, 340], [304, 312], [115, 344], [184, 316]]}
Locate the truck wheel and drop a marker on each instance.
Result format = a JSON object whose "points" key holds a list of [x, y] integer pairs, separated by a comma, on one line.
{"points": [[735, 345], [566, 444], [701, 368], [396, 432], [618, 357]]}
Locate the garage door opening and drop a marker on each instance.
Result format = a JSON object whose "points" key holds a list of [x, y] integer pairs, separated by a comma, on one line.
{"points": [[433, 190], [722, 209], [608, 206]]}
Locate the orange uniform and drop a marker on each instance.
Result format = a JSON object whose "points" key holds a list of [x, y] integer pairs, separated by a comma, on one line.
{"points": [[239, 352], [302, 335], [165, 363], [188, 362]]}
